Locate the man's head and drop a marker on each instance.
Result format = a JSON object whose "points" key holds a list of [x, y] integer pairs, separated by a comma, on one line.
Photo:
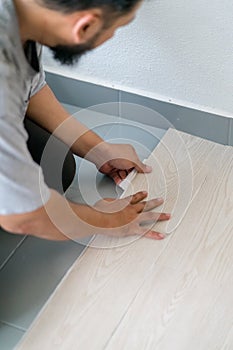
{"points": [[117, 7], [90, 23]]}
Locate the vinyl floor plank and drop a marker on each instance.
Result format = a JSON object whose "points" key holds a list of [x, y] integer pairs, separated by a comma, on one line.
{"points": [[141, 294], [192, 282], [105, 292]]}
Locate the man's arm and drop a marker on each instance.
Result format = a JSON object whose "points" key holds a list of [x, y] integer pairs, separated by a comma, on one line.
{"points": [[46, 111], [62, 220]]}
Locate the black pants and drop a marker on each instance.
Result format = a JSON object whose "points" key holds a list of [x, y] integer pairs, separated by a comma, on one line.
{"points": [[59, 167]]}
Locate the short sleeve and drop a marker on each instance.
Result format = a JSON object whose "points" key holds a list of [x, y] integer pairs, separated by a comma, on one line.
{"points": [[38, 81], [22, 186]]}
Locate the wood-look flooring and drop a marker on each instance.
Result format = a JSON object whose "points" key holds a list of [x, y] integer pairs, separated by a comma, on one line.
{"points": [[140, 294]]}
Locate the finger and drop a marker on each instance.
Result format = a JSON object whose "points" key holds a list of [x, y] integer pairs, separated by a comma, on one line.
{"points": [[128, 171], [122, 174], [119, 175], [138, 197], [148, 233], [143, 168], [151, 204], [155, 235], [164, 217], [148, 218], [115, 178]]}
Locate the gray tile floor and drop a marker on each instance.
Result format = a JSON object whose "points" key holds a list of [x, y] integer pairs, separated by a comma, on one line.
{"points": [[30, 268]]}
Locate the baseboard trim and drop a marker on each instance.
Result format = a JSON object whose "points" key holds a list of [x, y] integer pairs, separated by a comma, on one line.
{"points": [[108, 100]]}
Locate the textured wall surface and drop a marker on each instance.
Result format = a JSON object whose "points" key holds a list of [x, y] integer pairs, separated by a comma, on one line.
{"points": [[175, 51]]}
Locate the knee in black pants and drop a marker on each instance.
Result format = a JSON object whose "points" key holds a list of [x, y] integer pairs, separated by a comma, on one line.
{"points": [[55, 158]]}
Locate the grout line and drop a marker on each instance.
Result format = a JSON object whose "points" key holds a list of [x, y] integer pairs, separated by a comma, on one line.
{"points": [[120, 99], [14, 326], [230, 130], [108, 132], [12, 253]]}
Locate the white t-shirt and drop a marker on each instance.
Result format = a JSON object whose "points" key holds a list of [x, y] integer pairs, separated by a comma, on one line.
{"points": [[22, 186]]}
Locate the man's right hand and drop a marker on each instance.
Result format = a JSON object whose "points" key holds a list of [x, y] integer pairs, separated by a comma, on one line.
{"points": [[60, 219], [130, 216]]}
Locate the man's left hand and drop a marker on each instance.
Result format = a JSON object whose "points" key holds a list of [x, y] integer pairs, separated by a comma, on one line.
{"points": [[122, 160]]}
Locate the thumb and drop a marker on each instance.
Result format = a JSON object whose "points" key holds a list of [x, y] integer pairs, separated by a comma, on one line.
{"points": [[143, 168]]}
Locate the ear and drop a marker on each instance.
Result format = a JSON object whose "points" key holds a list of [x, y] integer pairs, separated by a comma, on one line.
{"points": [[86, 26]]}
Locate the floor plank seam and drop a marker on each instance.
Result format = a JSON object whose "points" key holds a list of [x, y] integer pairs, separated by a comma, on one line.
{"points": [[149, 272]]}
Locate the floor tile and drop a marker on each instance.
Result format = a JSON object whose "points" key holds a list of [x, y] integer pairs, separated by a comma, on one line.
{"points": [[8, 243], [144, 138], [9, 336], [100, 123], [90, 186], [71, 109], [31, 275], [164, 115]]}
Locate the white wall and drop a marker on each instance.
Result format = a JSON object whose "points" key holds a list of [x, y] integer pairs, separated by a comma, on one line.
{"points": [[177, 51]]}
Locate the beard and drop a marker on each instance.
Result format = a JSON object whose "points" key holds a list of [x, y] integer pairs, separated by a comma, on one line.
{"points": [[70, 55]]}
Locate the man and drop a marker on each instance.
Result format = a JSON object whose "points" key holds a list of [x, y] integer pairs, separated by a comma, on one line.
{"points": [[27, 204]]}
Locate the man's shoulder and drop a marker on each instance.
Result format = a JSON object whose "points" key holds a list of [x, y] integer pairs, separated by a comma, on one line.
{"points": [[4, 22], [9, 64], [7, 15], [8, 31]]}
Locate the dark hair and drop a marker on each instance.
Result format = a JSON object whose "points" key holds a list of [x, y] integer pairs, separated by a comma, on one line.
{"points": [[69, 6]]}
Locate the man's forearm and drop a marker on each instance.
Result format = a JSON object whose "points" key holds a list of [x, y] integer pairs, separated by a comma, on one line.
{"points": [[58, 220], [45, 110]]}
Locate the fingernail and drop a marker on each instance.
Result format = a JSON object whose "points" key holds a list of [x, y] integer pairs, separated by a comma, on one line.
{"points": [[148, 168], [145, 192], [161, 235], [159, 199]]}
